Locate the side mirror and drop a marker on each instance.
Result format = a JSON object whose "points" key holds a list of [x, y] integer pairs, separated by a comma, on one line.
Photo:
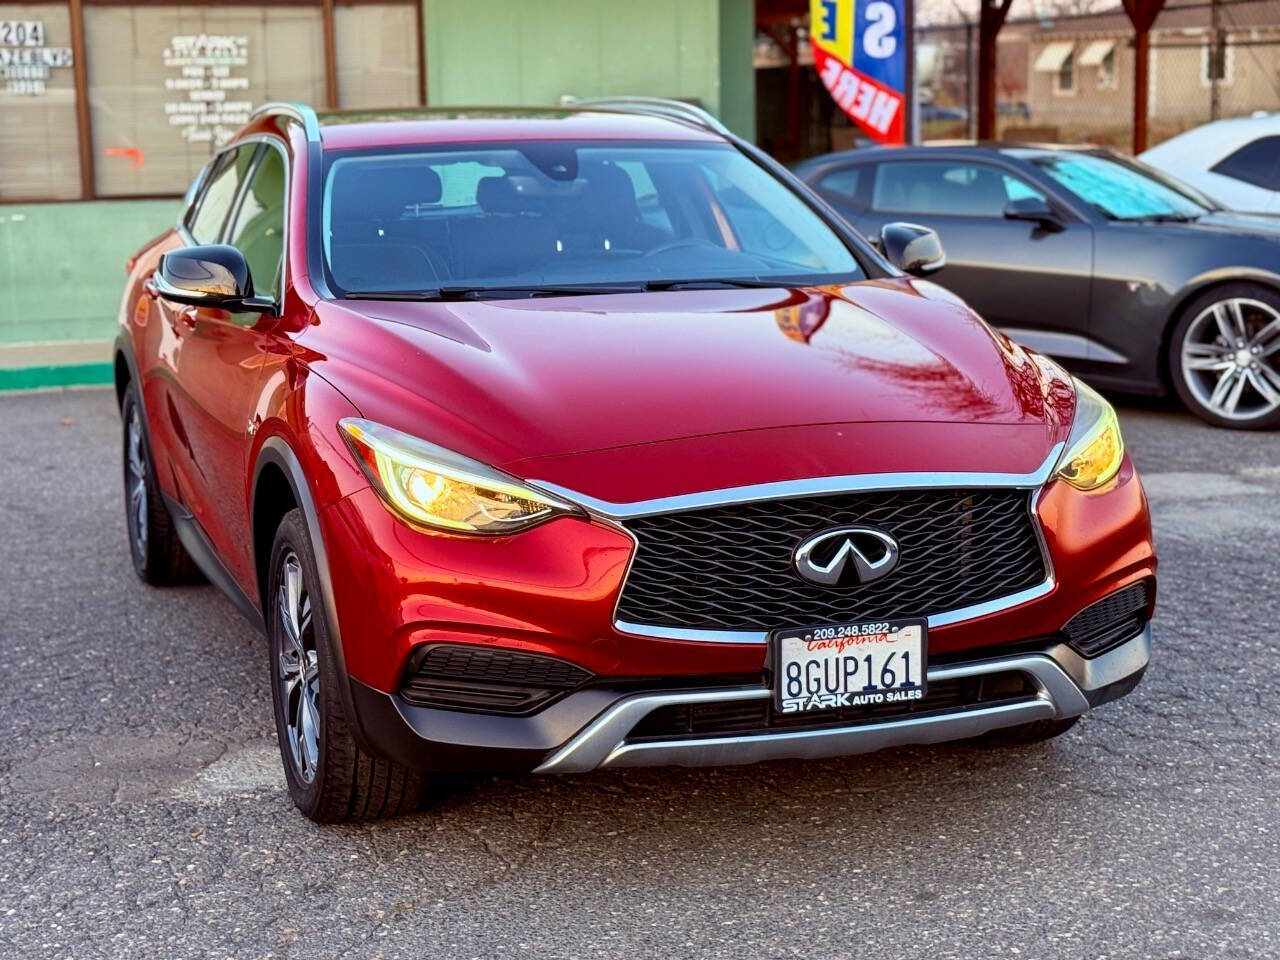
{"points": [[1034, 209], [912, 248], [210, 276]]}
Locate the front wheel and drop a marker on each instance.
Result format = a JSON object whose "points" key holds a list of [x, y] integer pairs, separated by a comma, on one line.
{"points": [[1224, 357], [331, 779]]}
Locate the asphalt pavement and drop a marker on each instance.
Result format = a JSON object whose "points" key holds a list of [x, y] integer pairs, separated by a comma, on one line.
{"points": [[143, 812]]}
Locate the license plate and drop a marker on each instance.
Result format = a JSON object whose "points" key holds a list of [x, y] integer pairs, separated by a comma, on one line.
{"points": [[849, 665]]}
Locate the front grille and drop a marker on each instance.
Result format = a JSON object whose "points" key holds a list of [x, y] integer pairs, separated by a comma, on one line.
{"points": [[1112, 620], [729, 567], [492, 680], [737, 717]]}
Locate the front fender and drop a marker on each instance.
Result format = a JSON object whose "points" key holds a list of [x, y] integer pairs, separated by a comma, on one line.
{"points": [[300, 442]]}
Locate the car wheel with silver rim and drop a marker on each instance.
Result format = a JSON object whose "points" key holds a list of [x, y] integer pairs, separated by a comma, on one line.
{"points": [[331, 778], [1224, 356], [299, 666]]}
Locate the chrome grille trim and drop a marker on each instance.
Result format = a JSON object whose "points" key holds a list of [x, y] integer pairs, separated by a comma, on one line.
{"points": [[761, 636], [612, 513], [813, 486]]}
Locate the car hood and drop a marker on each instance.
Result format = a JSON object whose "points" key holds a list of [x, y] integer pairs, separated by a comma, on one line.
{"points": [[1230, 223], [511, 381]]}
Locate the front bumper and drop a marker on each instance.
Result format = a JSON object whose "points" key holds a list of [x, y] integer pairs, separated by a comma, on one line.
{"points": [[593, 727]]}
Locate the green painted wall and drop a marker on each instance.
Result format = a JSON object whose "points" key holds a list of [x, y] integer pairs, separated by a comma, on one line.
{"points": [[531, 52], [737, 71], [62, 265]]}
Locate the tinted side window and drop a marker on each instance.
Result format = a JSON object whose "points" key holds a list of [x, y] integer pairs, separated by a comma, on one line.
{"points": [[206, 225], [840, 185], [1257, 163], [948, 188], [258, 231]]}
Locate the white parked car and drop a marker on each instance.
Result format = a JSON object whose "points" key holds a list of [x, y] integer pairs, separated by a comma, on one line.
{"points": [[1236, 161]]}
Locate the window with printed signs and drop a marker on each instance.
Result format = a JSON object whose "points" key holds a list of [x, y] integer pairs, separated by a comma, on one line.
{"points": [[194, 77], [163, 86], [39, 156]]}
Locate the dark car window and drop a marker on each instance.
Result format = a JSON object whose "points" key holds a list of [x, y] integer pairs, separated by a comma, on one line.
{"points": [[1257, 163], [258, 231], [948, 188], [206, 226], [840, 185], [557, 213]]}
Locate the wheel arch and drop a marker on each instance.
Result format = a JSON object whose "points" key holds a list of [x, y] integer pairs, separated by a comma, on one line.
{"points": [[124, 370], [122, 377], [280, 485]]}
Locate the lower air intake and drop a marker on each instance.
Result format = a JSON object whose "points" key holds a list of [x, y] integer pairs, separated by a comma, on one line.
{"points": [[487, 680], [1112, 620]]}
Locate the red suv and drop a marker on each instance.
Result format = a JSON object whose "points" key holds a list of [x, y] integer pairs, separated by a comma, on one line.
{"points": [[549, 440]]}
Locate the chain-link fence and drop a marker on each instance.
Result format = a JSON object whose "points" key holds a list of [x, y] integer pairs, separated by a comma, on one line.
{"points": [[1070, 79]]}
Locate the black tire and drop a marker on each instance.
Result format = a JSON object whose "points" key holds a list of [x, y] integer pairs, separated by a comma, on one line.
{"points": [[1025, 733], [331, 779], [1196, 388], [159, 557]]}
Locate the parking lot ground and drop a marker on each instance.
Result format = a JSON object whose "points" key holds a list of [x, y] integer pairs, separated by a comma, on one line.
{"points": [[143, 811]]}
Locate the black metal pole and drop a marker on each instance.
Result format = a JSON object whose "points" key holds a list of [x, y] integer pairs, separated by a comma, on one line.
{"points": [[970, 98], [910, 133]]}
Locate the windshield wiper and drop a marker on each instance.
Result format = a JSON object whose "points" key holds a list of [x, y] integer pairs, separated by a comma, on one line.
{"points": [[573, 290], [1162, 218], [390, 295], [717, 283], [494, 293]]}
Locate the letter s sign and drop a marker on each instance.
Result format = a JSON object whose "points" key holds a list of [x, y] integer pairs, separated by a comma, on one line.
{"points": [[878, 40]]}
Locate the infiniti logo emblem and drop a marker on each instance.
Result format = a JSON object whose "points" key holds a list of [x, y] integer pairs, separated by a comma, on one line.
{"points": [[842, 556]]}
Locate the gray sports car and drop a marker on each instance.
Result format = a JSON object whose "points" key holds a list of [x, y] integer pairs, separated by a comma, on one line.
{"points": [[1137, 281]]}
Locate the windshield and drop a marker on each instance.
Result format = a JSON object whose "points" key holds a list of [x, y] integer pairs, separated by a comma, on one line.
{"points": [[544, 215], [1120, 191]]}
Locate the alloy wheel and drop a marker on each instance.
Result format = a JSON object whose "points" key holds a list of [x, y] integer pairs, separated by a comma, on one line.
{"points": [[1231, 358], [135, 483], [299, 669]]}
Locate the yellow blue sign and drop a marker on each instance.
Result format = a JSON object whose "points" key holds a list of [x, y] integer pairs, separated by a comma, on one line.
{"points": [[860, 52]]}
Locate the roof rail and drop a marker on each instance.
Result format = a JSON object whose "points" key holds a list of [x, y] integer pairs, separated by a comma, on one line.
{"points": [[648, 106], [654, 107], [294, 111]]}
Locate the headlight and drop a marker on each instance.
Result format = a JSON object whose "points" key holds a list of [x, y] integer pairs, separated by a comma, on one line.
{"points": [[1095, 447], [438, 488]]}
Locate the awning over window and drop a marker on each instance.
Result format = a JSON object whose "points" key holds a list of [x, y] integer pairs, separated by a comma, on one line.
{"points": [[1096, 52], [1053, 57]]}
